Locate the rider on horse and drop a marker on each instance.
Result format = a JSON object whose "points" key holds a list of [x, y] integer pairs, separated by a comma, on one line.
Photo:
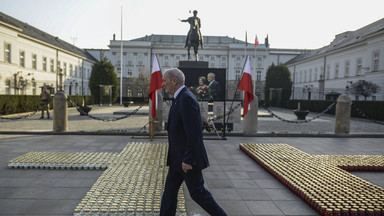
{"points": [[195, 25]]}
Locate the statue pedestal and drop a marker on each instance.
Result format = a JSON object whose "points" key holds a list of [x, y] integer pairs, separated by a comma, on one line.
{"points": [[193, 64]]}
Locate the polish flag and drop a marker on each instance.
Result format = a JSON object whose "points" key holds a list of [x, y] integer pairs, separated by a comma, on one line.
{"points": [[246, 85], [156, 81]]}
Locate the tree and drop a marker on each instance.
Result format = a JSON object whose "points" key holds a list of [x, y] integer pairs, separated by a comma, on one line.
{"points": [[278, 77], [142, 84], [364, 88], [103, 73]]}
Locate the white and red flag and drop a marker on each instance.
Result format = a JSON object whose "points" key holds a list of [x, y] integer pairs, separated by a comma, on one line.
{"points": [[156, 81], [246, 85]]}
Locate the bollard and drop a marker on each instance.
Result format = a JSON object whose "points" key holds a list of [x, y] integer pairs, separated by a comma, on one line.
{"points": [[343, 115], [60, 112], [158, 120], [250, 120]]}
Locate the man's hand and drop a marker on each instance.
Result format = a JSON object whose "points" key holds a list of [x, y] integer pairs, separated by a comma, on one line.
{"points": [[186, 167]]}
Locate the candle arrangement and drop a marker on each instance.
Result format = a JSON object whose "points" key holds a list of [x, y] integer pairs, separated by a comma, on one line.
{"points": [[132, 183], [322, 180]]}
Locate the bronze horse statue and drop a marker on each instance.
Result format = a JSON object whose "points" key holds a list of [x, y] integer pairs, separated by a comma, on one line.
{"points": [[193, 41]]}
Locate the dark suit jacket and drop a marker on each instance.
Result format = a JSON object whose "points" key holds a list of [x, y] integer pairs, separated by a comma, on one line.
{"points": [[185, 135], [215, 87]]}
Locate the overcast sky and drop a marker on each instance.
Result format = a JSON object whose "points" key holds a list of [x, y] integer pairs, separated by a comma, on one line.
{"points": [[304, 24]]}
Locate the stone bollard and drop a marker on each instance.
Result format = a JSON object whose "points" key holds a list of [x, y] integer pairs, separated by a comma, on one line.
{"points": [[250, 120], [343, 115], [158, 121], [60, 112]]}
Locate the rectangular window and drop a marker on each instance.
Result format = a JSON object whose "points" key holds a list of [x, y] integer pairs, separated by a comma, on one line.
{"points": [[223, 58], [259, 58], [212, 58], [238, 58], [7, 53], [347, 69], [238, 75], [65, 69], [22, 59], [34, 61], [328, 75], [336, 70], [258, 76], [76, 72], [376, 58], [359, 66], [52, 66], [310, 75], [178, 57], [71, 70], [44, 63]]}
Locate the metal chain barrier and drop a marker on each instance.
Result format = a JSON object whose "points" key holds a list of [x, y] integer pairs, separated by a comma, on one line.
{"points": [[364, 115], [298, 121], [105, 119], [24, 116]]}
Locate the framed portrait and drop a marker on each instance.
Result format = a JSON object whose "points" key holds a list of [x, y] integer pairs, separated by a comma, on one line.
{"points": [[208, 84]]}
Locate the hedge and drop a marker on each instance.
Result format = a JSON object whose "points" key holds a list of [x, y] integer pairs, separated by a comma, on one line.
{"points": [[10, 104], [372, 109]]}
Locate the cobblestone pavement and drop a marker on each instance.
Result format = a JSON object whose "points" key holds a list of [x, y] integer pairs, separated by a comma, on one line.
{"points": [[239, 184], [323, 125]]}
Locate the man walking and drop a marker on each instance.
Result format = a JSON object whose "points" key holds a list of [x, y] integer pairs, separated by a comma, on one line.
{"points": [[187, 156]]}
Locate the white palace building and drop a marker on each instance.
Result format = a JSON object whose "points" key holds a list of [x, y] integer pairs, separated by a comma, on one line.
{"points": [[350, 57], [31, 58]]}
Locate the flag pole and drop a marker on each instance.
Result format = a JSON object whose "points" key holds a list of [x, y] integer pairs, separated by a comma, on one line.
{"points": [[121, 59], [256, 43]]}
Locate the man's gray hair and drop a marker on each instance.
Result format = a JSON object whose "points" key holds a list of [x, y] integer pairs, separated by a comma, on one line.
{"points": [[176, 73], [212, 75]]}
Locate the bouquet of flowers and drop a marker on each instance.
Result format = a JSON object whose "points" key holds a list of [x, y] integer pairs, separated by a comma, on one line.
{"points": [[201, 92]]}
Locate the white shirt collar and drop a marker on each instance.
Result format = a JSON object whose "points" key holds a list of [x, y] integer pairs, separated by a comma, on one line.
{"points": [[178, 91]]}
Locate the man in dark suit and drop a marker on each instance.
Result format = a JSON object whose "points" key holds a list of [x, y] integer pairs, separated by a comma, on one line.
{"points": [[187, 156], [214, 86]]}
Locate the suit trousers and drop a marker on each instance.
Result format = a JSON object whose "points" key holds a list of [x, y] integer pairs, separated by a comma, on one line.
{"points": [[195, 184]]}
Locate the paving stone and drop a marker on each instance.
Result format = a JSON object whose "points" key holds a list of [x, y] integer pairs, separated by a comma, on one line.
{"points": [[263, 208]]}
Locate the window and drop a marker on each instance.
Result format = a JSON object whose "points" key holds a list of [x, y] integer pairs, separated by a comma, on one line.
{"points": [[52, 66], [178, 57], [213, 58], [44, 63], [71, 69], [7, 53], [140, 56], [130, 73], [76, 72], [347, 68], [201, 58], [238, 75], [238, 58], [305, 76], [65, 69], [376, 57], [359, 66], [166, 57], [129, 93], [328, 72], [258, 75], [21, 61], [223, 58], [336, 70], [310, 75], [259, 58], [34, 61]]}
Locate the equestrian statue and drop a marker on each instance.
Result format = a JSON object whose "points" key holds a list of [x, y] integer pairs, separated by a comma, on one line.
{"points": [[194, 37]]}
